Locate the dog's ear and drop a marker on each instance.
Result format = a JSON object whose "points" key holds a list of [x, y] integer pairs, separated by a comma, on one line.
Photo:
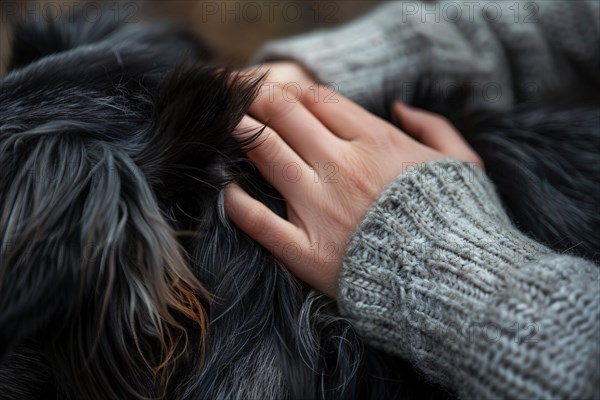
{"points": [[90, 267]]}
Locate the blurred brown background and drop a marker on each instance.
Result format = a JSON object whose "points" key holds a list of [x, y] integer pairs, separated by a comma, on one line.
{"points": [[235, 29]]}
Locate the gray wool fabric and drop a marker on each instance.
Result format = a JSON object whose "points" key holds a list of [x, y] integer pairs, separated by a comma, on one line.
{"points": [[502, 51], [436, 273]]}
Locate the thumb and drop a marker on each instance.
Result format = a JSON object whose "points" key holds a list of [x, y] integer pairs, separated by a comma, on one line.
{"points": [[435, 131]]}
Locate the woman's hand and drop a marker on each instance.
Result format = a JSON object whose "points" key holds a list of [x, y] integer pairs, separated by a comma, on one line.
{"points": [[330, 159]]}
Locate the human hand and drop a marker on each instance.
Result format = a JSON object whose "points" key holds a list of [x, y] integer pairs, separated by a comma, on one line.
{"points": [[281, 74], [330, 161]]}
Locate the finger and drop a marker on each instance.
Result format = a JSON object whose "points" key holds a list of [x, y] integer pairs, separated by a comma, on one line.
{"points": [[339, 114], [284, 240], [276, 161], [258, 221], [434, 131], [300, 129]]}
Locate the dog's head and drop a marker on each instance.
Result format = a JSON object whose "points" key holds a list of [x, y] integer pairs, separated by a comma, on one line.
{"points": [[108, 138]]}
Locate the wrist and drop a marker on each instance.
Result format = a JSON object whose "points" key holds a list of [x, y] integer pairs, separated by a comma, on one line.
{"points": [[438, 234]]}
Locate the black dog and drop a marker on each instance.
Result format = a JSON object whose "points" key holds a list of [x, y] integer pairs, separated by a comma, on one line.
{"points": [[115, 145]]}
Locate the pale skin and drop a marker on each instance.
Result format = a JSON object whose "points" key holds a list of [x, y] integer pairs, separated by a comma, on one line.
{"points": [[356, 155]]}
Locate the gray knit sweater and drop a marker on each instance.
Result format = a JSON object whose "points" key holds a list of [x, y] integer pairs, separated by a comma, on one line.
{"points": [[436, 273], [501, 51]]}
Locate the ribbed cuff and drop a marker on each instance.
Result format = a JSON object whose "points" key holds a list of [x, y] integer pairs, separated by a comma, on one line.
{"points": [[439, 225], [436, 270]]}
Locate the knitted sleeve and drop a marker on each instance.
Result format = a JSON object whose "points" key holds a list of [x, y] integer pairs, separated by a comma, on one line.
{"points": [[437, 274], [497, 52]]}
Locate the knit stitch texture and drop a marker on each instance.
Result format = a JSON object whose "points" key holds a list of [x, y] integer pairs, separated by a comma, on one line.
{"points": [[436, 274]]}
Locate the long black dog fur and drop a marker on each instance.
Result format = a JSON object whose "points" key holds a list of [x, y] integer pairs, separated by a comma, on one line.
{"points": [[120, 275], [114, 150]]}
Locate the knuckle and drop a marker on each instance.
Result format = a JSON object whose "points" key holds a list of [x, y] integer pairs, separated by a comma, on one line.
{"points": [[256, 219], [318, 93], [278, 105], [365, 184], [381, 138], [364, 179], [272, 151], [269, 144]]}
